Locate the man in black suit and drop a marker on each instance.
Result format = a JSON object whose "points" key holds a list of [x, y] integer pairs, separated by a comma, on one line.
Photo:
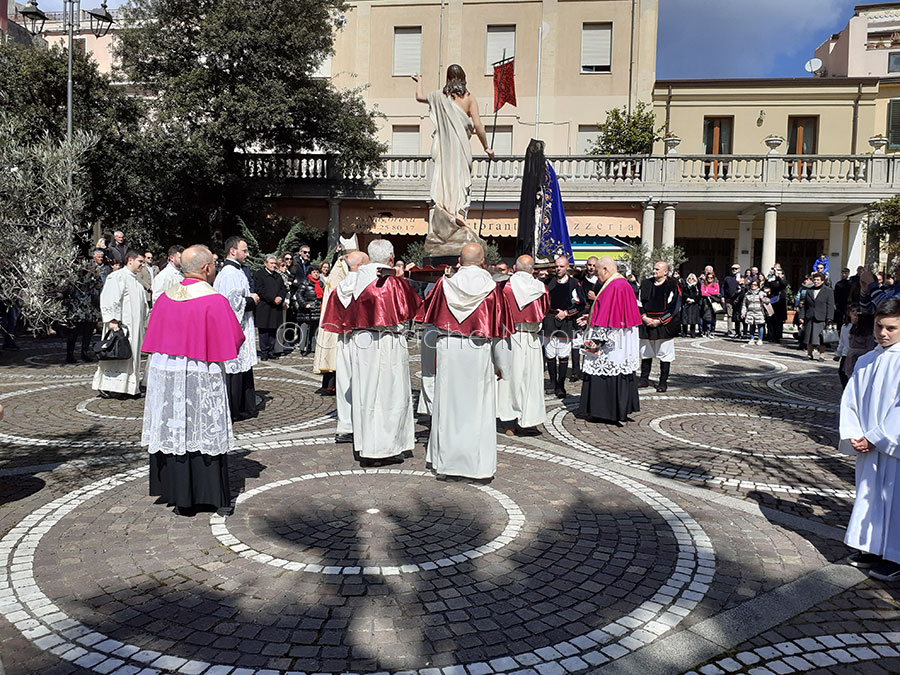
{"points": [[842, 296], [818, 309], [272, 292]]}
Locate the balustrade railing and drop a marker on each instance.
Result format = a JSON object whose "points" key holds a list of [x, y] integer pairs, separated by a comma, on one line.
{"points": [[668, 170]]}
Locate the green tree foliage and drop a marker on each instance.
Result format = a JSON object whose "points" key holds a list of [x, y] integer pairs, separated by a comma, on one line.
{"points": [[624, 133], [641, 260], [886, 225], [33, 82], [41, 219], [231, 76]]}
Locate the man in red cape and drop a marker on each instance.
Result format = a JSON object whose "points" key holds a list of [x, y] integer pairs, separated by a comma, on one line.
{"points": [[336, 319], [187, 421], [471, 316], [520, 397], [380, 390], [611, 350]]}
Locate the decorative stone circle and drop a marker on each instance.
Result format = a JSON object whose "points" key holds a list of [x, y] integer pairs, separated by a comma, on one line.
{"points": [[49, 628], [516, 519]]}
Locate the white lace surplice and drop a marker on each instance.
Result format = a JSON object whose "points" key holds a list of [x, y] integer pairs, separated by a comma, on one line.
{"points": [[619, 352], [232, 283], [186, 408]]}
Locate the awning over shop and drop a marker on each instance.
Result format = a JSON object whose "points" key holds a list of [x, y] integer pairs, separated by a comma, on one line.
{"points": [[412, 221], [584, 247]]}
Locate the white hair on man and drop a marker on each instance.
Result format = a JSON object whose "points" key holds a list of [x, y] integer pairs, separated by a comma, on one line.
{"points": [[381, 251], [271, 256]]}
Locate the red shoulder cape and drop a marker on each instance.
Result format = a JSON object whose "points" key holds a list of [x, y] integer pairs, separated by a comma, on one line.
{"points": [[491, 319], [533, 312], [387, 301]]}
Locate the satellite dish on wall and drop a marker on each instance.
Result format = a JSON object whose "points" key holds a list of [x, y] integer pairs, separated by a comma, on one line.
{"points": [[813, 66]]}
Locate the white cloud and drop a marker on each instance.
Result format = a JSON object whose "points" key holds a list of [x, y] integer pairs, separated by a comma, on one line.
{"points": [[743, 38]]}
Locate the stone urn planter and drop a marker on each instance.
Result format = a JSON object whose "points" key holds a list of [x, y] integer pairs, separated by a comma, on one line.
{"points": [[878, 143], [773, 143], [671, 142]]}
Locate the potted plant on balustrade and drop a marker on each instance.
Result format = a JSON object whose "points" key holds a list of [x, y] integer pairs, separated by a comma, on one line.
{"points": [[773, 142], [878, 142], [671, 140]]}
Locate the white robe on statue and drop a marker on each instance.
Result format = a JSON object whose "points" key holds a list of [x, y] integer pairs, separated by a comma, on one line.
{"points": [[870, 408], [233, 284], [125, 299], [381, 393], [520, 396], [463, 440]]}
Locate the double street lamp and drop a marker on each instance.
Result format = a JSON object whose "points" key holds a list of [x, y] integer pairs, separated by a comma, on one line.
{"points": [[100, 23]]}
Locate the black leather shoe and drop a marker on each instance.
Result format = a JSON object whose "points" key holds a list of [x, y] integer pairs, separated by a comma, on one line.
{"points": [[643, 384], [560, 393], [662, 388], [343, 438]]}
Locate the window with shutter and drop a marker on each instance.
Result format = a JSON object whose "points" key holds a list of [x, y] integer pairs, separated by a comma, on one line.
{"points": [[498, 39], [894, 62], [596, 47], [407, 50], [404, 140], [502, 139], [587, 136], [894, 125]]}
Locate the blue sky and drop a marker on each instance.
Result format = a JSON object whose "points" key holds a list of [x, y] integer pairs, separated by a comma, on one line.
{"points": [[744, 38], [723, 38]]}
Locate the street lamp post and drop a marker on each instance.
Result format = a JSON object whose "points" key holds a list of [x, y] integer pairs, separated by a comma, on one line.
{"points": [[100, 23]]}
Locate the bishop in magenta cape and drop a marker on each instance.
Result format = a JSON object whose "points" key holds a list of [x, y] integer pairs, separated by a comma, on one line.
{"points": [[611, 353], [187, 422]]}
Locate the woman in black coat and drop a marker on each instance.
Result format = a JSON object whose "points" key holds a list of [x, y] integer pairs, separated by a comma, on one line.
{"points": [[272, 292], [308, 300], [690, 306]]}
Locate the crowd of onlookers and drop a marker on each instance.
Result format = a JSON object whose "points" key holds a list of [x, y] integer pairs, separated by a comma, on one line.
{"points": [[743, 304]]}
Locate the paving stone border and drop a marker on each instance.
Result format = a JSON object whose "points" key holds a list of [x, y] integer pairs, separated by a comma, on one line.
{"points": [[50, 629], [515, 515]]}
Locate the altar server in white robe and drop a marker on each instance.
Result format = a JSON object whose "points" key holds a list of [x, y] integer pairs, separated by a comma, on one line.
{"points": [[233, 283], [471, 316], [123, 301], [520, 397], [870, 429], [336, 319], [380, 392]]}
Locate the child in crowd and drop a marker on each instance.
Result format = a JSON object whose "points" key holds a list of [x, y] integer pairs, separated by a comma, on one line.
{"points": [[753, 312], [870, 429]]}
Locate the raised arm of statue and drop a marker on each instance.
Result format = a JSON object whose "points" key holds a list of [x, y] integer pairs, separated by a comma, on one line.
{"points": [[420, 90]]}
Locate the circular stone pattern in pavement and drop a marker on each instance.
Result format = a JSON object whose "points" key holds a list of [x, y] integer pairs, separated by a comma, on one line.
{"points": [[386, 517], [747, 434], [603, 565]]}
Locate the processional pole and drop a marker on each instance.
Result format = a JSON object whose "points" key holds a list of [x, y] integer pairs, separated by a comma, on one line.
{"points": [[493, 135]]}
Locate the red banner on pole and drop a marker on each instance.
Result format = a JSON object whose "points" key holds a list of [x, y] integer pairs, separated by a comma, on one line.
{"points": [[504, 84]]}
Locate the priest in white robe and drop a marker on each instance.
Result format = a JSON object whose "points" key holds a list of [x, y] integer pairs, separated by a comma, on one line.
{"points": [[520, 396], [870, 429], [471, 316], [123, 304], [336, 320], [381, 393], [170, 275], [235, 286], [187, 422]]}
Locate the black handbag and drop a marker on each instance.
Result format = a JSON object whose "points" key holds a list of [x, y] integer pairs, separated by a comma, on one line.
{"points": [[114, 346]]}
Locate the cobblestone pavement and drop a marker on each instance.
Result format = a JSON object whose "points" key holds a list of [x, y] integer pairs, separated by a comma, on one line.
{"points": [[704, 537]]}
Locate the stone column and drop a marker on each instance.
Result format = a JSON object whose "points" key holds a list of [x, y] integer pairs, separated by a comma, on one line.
{"points": [[744, 241], [648, 226], [836, 247], [334, 222], [668, 225], [855, 243], [769, 238]]}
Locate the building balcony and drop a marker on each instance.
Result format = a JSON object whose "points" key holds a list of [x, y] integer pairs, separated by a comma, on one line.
{"points": [[808, 183]]}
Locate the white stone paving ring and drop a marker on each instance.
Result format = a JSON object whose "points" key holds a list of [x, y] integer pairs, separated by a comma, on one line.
{"points": [[49, 628], [515, 521]]}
